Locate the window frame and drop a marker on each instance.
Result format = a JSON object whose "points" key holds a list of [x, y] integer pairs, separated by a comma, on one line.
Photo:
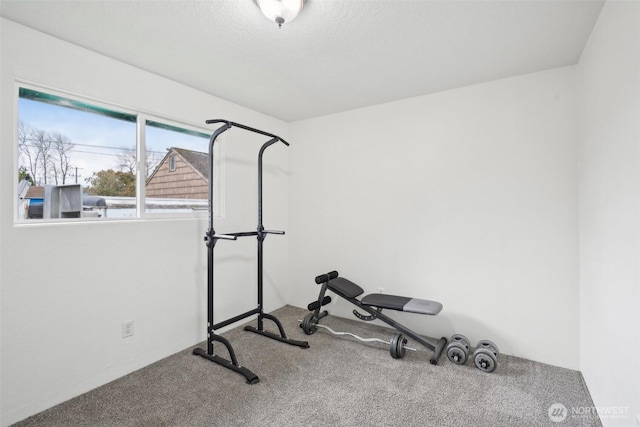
{"points": [[142, 117], [218, 178]]}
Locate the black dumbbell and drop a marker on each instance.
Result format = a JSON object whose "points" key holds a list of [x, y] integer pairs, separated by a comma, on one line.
{"points": [[486, 356], [458, 349]]}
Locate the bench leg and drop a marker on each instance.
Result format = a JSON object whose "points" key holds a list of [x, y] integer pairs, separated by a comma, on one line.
{"points": [[442, 343]]}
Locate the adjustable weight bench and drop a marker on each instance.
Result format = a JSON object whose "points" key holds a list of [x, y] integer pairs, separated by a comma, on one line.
{"points": [[373, 304]]}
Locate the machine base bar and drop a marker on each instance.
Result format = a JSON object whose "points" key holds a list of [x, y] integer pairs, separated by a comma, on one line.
{"points": [[302, 344], [248, 375]]}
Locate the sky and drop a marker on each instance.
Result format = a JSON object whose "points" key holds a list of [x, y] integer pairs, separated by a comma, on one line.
{"points": [[98, 139]]}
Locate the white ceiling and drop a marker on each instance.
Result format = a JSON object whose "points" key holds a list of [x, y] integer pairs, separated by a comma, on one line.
{"points": [[336, 56]]}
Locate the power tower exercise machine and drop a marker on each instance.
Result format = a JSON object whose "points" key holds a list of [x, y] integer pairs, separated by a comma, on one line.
{"points": [[211, 238]]}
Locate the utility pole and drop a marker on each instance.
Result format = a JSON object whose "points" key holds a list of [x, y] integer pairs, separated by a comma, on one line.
{"points": [[76, 173]]}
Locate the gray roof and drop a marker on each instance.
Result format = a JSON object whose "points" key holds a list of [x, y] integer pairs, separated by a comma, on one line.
{"points": [[199, 161]]}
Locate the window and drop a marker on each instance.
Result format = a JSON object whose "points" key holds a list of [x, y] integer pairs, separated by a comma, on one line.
{"points": [[79, 160], [179, 180]]}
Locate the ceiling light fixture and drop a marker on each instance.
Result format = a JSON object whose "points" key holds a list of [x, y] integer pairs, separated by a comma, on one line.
{"points": [[280, 11]]}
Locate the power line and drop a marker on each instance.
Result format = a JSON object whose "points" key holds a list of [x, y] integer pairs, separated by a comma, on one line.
{"points": [[103, 146], [101, 153]]}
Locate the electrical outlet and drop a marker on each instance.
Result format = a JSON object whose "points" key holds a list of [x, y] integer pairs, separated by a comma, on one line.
{"points": [[127, 328], [381, 290]]}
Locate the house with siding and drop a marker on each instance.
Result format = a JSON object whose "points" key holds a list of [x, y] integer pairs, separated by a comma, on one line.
{"points": [[181, 174]]}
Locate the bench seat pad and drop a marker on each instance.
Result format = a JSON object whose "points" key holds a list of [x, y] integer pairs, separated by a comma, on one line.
{"points": [[345, 288], [411, 305]]}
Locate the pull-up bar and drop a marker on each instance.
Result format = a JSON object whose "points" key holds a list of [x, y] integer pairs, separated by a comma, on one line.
{"points": [[211, 239], [238, 125]]}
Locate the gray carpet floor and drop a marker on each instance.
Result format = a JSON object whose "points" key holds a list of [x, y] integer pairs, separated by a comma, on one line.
{"points": [[338, 381]]}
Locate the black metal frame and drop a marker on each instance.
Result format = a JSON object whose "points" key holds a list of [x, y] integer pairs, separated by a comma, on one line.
{"points": [[211, 238], [374, 313]]}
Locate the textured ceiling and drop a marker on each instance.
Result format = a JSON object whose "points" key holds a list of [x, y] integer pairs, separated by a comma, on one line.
{"points": [[336, 56]]}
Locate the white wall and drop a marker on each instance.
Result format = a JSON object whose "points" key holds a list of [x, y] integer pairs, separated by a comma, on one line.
{"points": [[467, 197], [66, 288], [609, 142]]}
